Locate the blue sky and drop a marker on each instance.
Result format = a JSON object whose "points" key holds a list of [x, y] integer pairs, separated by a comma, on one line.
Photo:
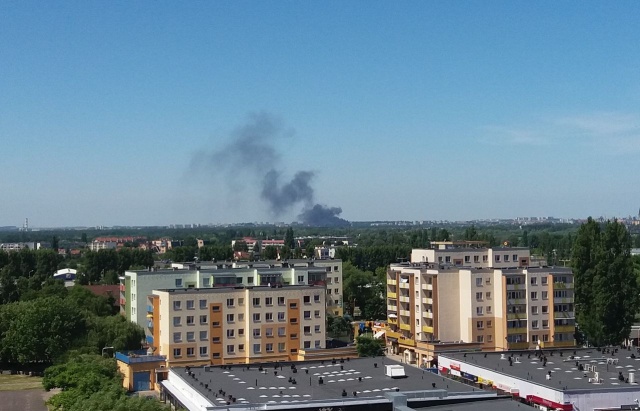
{"points": [[403, 110]]}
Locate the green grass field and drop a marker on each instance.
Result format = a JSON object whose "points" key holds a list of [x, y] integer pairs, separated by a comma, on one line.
{"points": [[19, 382]]}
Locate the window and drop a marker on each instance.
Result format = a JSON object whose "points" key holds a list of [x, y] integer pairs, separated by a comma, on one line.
{"points": [[293, 321], [316, 298], [282, 347], [534, 338], [545, 295], [203, 304], [293, 305], [337, 280], [177, 321], [306, 299], [480, 325], [241, 317], [269, 347], [447, 259], [534, 309], [178, 282], [177, 305], [328, 280], [191, 352], [478, 282], [293, 336], [497, 258], [229, 318], [545, 323], [545, 337], [206, 282], [307, 315], [268, 301], [300, 279], [216, 340], [489, 324], [203, 335], [489, 338], [256, 348], [177, 337], [190, 320], [328, 290], [177, 352], [488, 309], [203, 351], [485, 258], [215, 308], [191, 336], [307, 330], [256, 332], [307, 344], [317, 328], [534, 295], [534, 324], [317, 344], [240, 347], [241, 332], [280, 300], [479, 296], [231, 349], [230, 302], [534, 280], [240, 301], [544, 280], [256, 317], [281, 332], [479, 310], [268, 332], [231, 333], [268, 316], [545, 309], [203, 319], [488, 281], [515, 258], [467, 259], [256, 301], [249, 280], [190, 304], [506, 258], [316, 313], [480, 338], [476, 259], [215, 324], [216, 355], [281, 316]]}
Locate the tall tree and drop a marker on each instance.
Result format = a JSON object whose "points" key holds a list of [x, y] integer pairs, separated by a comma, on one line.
{"points": [[289, 241], [606, 287]]}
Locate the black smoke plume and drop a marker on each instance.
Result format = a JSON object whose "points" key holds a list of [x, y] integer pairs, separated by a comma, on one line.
{"points": [[251, 148]]}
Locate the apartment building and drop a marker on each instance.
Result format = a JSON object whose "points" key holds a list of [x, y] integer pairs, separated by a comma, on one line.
{"points": [[236, 325], [135, 286], [454, 302]]}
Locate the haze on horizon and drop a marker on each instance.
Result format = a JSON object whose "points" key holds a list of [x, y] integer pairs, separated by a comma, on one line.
{"points": [[395, 111]]}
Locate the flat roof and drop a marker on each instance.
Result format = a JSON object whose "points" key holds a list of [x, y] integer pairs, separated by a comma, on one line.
{"points": [[498, 404], [563, 365], [249, 385]]}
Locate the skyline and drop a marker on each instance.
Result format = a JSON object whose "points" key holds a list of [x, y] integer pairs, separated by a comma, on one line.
{"points": [[419, 111]]}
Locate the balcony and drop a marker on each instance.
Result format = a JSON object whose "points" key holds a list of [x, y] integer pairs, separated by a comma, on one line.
{"points": [[405, 327], [565, 328], [392, 321], [519, 330], [404, 286], [405, 299], [392, 295], [516, 301], [427, 314], [517, 316], [566, 300], [563, 286], [427, 287], [393, 308], [427, 300], [427, 329], [393, 334], [565, 314], [515, 287], [518, 345], [559, 344], [149, 308], [150, 324], [391, 282], [405, 313], [406, 341]]}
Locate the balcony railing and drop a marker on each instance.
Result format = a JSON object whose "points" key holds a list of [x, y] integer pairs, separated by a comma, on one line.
{"points": [[406, 341], [150, 324], [392, 295], [427, 286], [427, 314], [564, 328], [405, 327], [392, 320], [565, 314], [393, 308], [427, 300], [405, 299], [519, 330], [427, 329], [405, 313], [392, 282], [404, 285], [563, 286], [149, 308], [517, 316]]}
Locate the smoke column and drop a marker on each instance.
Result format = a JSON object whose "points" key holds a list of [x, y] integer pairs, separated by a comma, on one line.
{"points": [[251, 147]]}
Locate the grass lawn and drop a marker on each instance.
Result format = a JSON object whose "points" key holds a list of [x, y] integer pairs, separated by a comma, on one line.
{"points": [[19, 382]]}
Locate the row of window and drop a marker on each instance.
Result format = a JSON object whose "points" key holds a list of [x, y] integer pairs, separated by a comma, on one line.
{"points": [[231, 349], [231, 333]]}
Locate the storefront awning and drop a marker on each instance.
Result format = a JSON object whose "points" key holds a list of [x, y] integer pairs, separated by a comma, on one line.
{"points": [[378, 334], [392, 315]]}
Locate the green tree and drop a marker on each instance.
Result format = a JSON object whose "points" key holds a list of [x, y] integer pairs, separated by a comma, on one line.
{"points": [[606, 287], [114, 331], [270, 253], [369, 346], [289, 240]]}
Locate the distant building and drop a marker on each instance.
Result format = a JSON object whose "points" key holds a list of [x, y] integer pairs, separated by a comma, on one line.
{"points": [[10, 247]]}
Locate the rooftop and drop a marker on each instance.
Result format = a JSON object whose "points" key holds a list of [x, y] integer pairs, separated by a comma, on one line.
{"points": [[365, 376], [568, 371]]}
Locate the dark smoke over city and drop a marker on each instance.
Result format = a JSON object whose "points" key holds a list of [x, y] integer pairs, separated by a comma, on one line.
{"points": [[251, 148]]}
